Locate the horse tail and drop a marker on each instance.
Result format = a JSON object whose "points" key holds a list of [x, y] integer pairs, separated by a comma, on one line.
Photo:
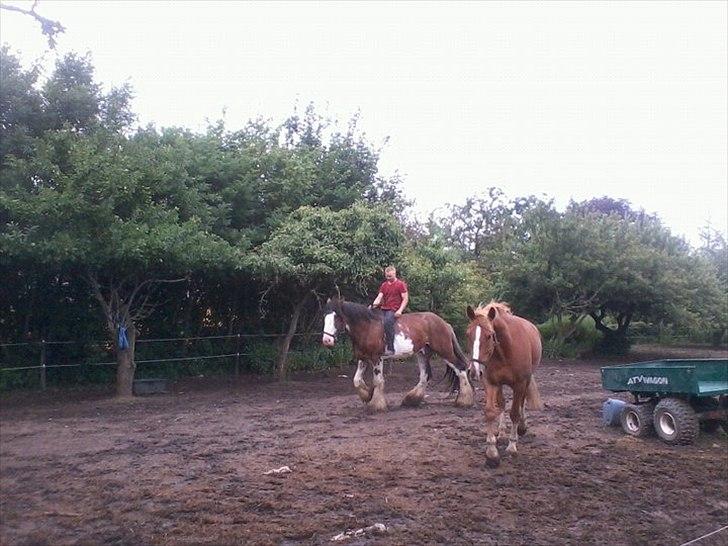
{"points": [[452, 379], [533, 398], [461, 362]]}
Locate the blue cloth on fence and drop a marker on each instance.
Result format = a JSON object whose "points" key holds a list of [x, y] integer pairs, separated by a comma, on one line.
{"points": [[123, 341]]}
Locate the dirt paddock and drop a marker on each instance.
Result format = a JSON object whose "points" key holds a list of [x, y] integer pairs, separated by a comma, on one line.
{"points": [[188, 468]]}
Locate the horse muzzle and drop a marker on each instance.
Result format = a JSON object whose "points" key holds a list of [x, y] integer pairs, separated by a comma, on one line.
{"points": [[477, 367], [327, 340]]}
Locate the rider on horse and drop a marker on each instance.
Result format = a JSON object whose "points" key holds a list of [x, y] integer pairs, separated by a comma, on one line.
{"points": [[392, 300]]}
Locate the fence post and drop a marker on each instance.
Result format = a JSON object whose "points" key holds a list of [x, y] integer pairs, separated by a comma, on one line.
{"points": [[237, 356], [42, 364]]}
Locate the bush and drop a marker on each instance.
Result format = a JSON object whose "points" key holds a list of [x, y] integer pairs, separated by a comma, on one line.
{"points": [[304, 355], [613, 345], [316, 358], [560, 340], [558, 348]]}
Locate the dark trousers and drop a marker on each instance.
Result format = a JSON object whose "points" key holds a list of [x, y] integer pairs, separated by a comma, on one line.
{"points": [[389, 329]]}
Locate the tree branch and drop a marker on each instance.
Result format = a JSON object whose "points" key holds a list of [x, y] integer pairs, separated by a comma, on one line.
{"points": [[144, 309], [598, 321], [48, 27], [120, 309], [136, 290], [96, 290]]}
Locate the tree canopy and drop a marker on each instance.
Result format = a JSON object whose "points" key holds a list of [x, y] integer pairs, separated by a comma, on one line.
{"points": [[165, 230]]}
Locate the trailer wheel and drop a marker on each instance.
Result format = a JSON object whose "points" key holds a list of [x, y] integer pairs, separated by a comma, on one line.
{"points": [[636, 419], [714, 425], [711, 425], [676, 422]]}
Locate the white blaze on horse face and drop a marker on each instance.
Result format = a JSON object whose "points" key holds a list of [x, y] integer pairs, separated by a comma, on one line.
{"points": [[329, 329], [476, 352], [476, 343]]}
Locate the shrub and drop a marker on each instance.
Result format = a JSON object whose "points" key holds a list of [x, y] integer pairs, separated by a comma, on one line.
{"points": [[567, 340]]}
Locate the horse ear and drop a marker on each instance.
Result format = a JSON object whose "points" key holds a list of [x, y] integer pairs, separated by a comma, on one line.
{"points": [[470, 313], [492, 313]]}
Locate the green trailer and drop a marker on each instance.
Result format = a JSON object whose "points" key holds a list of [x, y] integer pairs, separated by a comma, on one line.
{"points": [[671, 397]]}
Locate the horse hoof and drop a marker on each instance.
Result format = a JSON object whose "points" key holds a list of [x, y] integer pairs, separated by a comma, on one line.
{"points": [[364, 395], [492, 462], [376, 407], [522, 429], [511, 449], [411, 401], [463, 402]]}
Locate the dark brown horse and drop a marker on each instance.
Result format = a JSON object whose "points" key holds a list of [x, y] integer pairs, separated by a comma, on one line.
{"points": [[506, 350], [415, 333]]}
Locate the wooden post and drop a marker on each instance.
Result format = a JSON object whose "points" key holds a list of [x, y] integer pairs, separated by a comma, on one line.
{"points": [[237, 356], [43, 364]]}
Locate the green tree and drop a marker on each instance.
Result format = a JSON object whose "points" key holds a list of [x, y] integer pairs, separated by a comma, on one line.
{"points": [[21, 108], [440, 280], [102, 217], [317, 248], [485, 225], [714, 251], [89, 203], [94, 212], [614, 266]]}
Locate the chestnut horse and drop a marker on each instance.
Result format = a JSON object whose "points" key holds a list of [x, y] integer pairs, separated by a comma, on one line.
{"points": [[508, 347], [414, 333]]}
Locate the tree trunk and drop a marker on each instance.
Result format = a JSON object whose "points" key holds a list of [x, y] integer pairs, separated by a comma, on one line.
{"points": [[614, 342], [125, 365], [124, 303], [573, 327], [282, 361], [598, 322]]}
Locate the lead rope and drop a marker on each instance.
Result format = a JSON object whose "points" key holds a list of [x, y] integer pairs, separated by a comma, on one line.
{"points": [[705, 536]]}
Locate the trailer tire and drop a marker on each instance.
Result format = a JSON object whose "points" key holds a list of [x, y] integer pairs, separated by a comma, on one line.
{"points": [[676, 422], [711, 425], [636, 419]]}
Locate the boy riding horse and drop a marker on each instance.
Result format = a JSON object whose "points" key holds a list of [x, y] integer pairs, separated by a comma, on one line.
{"points": [[392, 300]]}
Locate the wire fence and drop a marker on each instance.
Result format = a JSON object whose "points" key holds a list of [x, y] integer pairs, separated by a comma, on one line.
{"points": [[255, 351], [150, 340]]}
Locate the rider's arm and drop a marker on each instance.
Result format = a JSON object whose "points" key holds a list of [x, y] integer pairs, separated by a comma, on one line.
{"points": [[378, 300], [405, 301]]}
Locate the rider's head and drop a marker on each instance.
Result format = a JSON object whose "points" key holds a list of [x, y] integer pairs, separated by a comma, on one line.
{"points": [[390, 273]]}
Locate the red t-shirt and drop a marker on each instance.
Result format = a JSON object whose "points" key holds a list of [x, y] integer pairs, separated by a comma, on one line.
{"points": [[392, 294]]}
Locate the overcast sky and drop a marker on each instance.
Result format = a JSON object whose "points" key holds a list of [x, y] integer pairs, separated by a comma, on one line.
{"points": [[568, 99]]}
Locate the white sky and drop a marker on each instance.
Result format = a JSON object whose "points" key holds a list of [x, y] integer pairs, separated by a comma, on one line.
{"points": [[568, 99]]}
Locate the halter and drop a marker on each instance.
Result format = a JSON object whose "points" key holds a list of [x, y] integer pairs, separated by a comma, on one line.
{"points": [[328, 334]]}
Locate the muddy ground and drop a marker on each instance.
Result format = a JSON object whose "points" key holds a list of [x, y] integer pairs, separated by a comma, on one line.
{"points": [[188, 468]]}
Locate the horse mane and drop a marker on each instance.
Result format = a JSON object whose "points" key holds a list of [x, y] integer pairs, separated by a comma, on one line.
{"points": [[356, 312], [499, 306]]}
